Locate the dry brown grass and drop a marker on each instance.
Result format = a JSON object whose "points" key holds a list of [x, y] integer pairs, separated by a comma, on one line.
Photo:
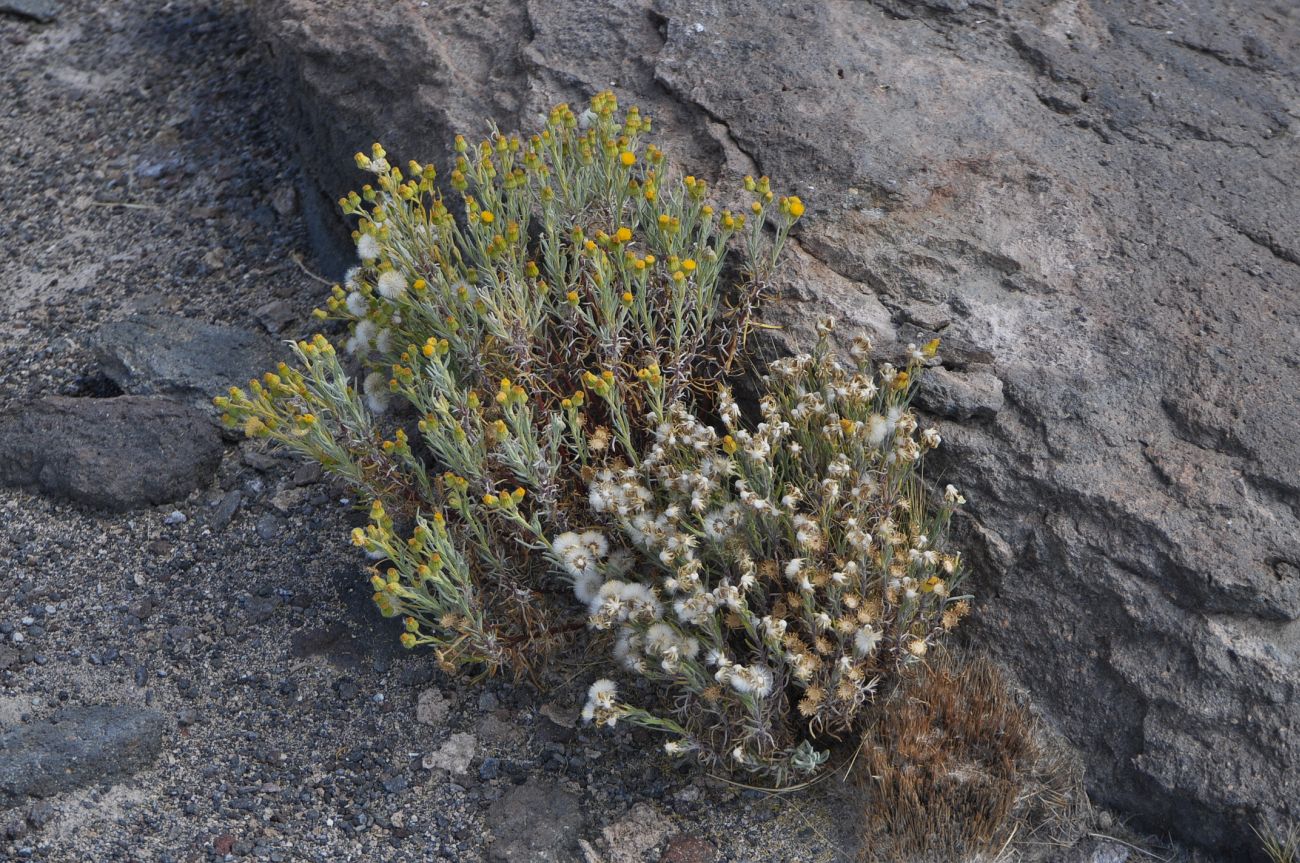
{"points": [[955, 767]]}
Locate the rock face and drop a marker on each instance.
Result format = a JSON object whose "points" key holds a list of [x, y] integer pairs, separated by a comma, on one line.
{"points": [[81, 746], [114, 454], [1094, 204]]}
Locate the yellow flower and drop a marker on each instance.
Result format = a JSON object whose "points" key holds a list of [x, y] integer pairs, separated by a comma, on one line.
{"points": [[623, 235], [628, 158], [689, 265], [486, 217]]}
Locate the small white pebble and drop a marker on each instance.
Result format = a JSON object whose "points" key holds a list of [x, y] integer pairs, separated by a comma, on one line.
{"points": [[28, 621], [175, 517], [699, 28], [18, 636]]}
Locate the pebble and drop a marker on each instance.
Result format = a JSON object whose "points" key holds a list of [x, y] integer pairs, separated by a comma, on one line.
{"points": [[175, 517], [268, 526]]}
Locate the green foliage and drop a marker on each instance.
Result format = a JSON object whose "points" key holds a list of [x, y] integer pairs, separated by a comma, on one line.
{"points": [[519, 337], [544, 413]]}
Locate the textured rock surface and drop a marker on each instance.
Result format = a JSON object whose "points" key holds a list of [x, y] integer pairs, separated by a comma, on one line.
{"points": [[158, 354], [537, 821], [80, 746], [114, 454], [1093, 203]]}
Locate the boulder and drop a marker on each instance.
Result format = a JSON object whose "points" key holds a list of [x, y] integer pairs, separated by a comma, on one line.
{"points": [[77, 747], [114, 454], [1094, 204]]}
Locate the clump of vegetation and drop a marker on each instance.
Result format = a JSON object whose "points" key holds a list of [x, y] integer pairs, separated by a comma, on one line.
{"points": [[544, 416], [797, 561], [1280, 846], [516, 339], [955, 766]]}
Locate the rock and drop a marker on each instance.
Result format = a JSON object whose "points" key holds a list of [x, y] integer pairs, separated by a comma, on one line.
{"points": [[43, 11], [115, 454], [225, 510], [275, 316], [454, 756], [307, 473], [687, 848], [1093, 850], [153, 354], [498, 732], [489, 768], [78, 747], [268, 526], [960, 395], [432, 708], [1119, 255], [631, 838], [537, 822], [284, 200]]}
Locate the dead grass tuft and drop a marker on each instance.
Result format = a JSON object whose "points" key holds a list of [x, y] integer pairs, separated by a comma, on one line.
{"points": [[955, 766]]}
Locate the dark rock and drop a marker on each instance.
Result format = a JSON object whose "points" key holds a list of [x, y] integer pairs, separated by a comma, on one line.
{"points": [[225, 510], [152, 354], [255, 455], [1101, 207], [261, 608], [268, 526], [78, 747], [276, 316], [114, 454], [308, 473], [537, 821], [43, 11]]}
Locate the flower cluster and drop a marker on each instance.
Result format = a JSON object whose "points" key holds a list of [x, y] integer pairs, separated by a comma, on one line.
{"points": [[543, 416], [502, 347], [798, 562]]}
